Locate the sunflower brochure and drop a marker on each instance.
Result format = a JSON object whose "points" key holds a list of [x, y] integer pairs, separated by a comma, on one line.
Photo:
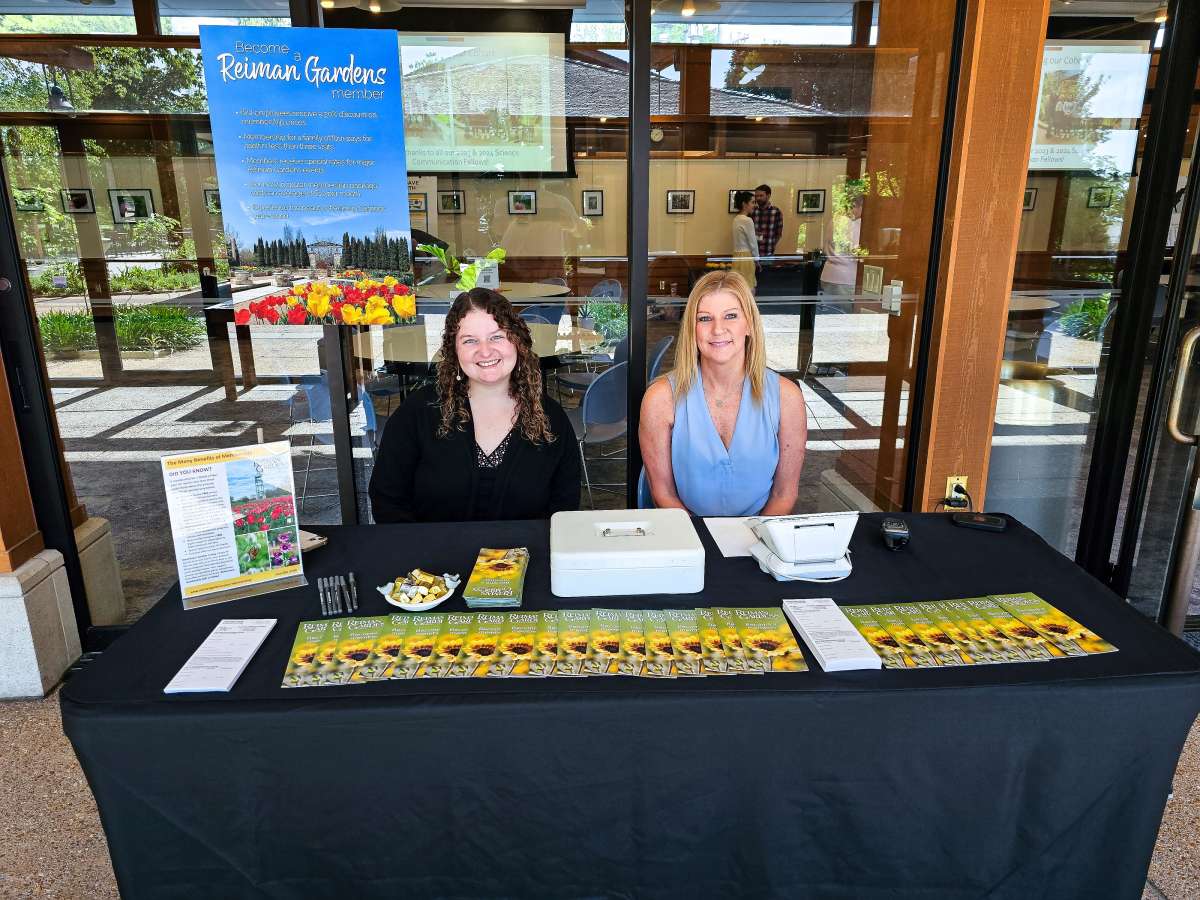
{"points": [[233, 522], [498, 578]]}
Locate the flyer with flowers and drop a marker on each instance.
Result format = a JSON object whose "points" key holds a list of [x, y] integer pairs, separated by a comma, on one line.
{"points": [[233, 520], [307, 129]]}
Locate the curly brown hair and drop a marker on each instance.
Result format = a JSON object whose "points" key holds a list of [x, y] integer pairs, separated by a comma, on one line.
{"points": [[525, 383]]}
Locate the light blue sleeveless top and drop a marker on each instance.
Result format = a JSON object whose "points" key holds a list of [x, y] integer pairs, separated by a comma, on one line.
{"points": [[713, 481]]}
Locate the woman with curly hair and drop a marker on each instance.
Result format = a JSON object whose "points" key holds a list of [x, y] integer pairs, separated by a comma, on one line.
{"points": [[485, 442]]}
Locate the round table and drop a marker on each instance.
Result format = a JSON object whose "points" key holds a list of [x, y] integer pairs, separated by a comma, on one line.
{"points": [[1030, 304], [420, 344], [513, 290]]}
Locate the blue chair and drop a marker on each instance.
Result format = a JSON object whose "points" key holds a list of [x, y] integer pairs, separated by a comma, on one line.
{"points": [[601, 418], [551, 313], [580, 381], [645, 500], [315, 389], [609, 287], [657, 353]]}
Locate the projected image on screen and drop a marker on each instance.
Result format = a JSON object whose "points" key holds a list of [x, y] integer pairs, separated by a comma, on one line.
{"points": [[484, 102], [1089, 101]]}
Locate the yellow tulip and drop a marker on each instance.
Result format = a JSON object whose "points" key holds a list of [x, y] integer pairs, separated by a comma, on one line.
{"points": [[378, 316], [318, 306], [293, 300], [351, 315], [298, 290], [390, 281], [404, 307]]}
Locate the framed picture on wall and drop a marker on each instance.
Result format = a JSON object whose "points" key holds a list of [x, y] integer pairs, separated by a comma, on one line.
{"points": [[1099, 197], [522, 203], [810, 200], [77, 201], [1030, 200], [732, 193], [418, 203], [593, 203], [681, 202], [452, 203], [131, 205], [27, 200], [212, 199]]}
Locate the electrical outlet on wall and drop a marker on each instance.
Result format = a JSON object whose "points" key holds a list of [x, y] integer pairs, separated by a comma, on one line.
{"points": [[952, 480]]}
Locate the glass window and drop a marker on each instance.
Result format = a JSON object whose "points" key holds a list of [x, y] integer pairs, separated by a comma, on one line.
{"points": [[1071, 253], [816, 112], [116, 17], [67, 78]]}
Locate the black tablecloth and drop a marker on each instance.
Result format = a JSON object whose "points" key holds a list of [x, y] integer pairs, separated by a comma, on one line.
{"points": [[1023, 780]]}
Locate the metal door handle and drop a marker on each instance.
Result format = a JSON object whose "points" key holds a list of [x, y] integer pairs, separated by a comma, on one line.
{"points": [[1186, 346]]}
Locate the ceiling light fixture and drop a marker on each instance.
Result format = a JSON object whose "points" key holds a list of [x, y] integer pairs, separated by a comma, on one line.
{"points": [[1157, 15], [375, 7]]}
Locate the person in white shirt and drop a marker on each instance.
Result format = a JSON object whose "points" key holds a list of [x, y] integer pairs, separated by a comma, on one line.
{"points": [[745, 240], [840, 273]]}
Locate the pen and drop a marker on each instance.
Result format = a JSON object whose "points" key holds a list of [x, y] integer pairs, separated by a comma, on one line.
{"points": [[321, 595], [345, 593], [354, 591], [337, 600]]}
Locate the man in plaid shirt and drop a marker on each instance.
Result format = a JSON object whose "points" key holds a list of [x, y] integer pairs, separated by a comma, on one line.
{"points": [[768, 222]]}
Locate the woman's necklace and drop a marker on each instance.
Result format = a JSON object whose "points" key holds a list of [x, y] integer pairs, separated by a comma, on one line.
{"points": [[720, 401]]}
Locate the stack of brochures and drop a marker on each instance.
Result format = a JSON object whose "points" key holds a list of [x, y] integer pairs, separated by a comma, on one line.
{"points": [[974, 631], [648, 643]]}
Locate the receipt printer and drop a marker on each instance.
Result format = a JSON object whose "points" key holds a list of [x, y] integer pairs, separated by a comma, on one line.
{"points": [[596, 553]]}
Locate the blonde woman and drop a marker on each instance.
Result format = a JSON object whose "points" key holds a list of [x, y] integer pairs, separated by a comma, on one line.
{"points": [[723, 435]]}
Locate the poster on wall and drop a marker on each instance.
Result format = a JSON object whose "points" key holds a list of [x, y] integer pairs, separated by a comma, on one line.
{"points": [[309, 148], [1089, 101], [233, 521]]}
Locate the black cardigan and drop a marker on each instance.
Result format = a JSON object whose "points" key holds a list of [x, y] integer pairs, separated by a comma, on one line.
{"points": [[420, 477]]}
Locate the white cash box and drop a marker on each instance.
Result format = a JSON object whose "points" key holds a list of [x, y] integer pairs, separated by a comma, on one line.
{"points": [[625, 551]]}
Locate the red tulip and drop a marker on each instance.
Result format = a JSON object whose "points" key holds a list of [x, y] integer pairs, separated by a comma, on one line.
{"points": [[242, 317], [296, 315]]}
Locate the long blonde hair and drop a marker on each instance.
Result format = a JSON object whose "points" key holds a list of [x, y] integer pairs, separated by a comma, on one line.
{"points": [[687, 358]]}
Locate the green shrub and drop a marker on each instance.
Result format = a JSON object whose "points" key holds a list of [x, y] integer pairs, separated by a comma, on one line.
{"points": [[43, 283], [157, 328], [67, 331], [138, 328], [152, 281], [611, 318], [1084, 318]]}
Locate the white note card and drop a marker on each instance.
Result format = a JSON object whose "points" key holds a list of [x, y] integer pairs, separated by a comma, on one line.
{"points": [[732, 535], [220, 660], [832, 638]]}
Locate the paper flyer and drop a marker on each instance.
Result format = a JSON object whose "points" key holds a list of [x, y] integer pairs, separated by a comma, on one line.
{"points": [[1016, 632], [418, 645], [633, 643], [387, 648], [1056, 626], [712, 650], [574, 629], [916, 652], [233, 517], [545, 645], [768, 641], [660, 655], [604, 644], [731, 641], [881, 641], [685, 641], [302, 661], [518, 643], [481, 646]]}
